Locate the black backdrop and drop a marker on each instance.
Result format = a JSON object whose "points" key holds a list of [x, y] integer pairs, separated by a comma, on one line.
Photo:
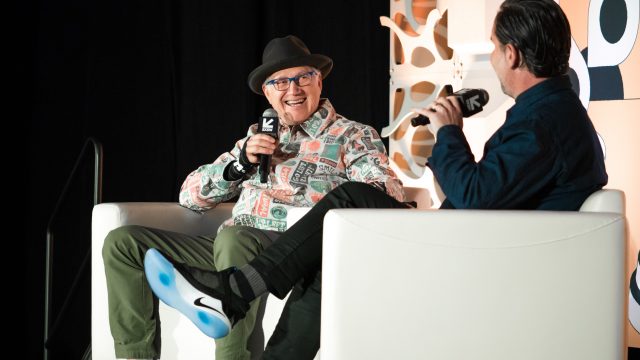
{"points": [[162, 85]]}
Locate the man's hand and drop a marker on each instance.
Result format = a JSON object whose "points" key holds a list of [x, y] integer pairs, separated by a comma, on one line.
{"points": [[443, 111], [259, 144]]}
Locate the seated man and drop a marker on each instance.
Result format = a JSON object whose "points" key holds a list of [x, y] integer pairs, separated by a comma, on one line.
{"points": [[546, 155], [317, 150]]}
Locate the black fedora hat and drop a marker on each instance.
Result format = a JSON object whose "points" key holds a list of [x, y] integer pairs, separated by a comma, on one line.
{"points": [[283, 53]]}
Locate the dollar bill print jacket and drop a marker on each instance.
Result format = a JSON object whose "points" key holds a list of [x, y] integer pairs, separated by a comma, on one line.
{"points": [[311, 159]]}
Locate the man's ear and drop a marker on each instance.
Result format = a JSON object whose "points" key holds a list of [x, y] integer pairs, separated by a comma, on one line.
{"points": [[513, 56]]}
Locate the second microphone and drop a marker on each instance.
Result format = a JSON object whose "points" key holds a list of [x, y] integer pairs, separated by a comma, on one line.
{"points": [[471, 102]]}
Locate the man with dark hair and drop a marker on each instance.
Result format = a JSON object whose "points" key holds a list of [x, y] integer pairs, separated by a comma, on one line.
{"points": [[545, 156]]}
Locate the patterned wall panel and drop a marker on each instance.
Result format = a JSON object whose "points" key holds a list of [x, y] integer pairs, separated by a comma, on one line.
{"points": [[422, 61]]}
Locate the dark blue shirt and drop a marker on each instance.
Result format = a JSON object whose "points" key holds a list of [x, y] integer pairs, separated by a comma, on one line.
{"points": [[545, 156]]}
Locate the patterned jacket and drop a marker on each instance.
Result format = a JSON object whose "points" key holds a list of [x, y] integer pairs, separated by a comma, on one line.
{"points": [[311, 159]]}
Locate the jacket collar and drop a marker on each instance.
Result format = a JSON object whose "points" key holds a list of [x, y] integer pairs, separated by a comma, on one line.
{"points": [[542, 90], [319, 120]]}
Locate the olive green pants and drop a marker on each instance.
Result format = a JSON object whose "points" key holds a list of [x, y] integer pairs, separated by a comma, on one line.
{"points": [[133, 309]]}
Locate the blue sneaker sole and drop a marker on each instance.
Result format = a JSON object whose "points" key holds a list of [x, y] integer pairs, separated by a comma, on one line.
{"points": [[175, 291]]}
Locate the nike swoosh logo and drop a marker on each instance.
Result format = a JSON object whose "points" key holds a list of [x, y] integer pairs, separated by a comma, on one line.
{"points": [[198, 302]]}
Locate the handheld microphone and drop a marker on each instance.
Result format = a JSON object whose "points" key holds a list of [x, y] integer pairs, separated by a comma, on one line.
{"points": [[471, 101], [268, 124]]}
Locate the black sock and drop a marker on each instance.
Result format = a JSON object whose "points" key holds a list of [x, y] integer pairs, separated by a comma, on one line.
{"points": [[247, 283]]}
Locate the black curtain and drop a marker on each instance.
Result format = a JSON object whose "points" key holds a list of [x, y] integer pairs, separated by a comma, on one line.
{"points": [[162, 85]]}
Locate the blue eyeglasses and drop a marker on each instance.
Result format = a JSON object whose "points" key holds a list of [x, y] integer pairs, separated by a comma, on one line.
{"points": [[282, 84]]}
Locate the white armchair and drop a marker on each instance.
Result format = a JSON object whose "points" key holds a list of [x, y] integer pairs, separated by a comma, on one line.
{"points": [[473, 284], [180, 338]]}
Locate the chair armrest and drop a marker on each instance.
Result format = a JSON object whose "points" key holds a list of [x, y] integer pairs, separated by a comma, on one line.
{"points": [[178, 334], [605, 200], [167, 216]]}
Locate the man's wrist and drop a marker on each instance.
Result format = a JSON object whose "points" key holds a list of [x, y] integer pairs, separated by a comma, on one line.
{"points": [[241, 168], [236, 171], [243, 160]]}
